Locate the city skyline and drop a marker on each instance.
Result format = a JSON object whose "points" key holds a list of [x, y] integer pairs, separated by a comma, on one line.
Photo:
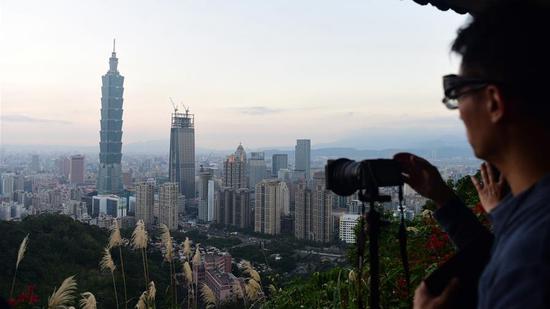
{"points": [[301, 68]]}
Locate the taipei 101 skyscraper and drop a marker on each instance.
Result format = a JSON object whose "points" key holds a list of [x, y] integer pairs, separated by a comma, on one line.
{"points": [[109, 179]]}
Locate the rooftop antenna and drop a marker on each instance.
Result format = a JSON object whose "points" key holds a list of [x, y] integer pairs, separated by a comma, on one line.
{"points": [[113, 46], [174, 105]]}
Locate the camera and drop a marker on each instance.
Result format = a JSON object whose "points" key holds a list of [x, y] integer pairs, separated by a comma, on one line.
{"points": [[344, 176]]}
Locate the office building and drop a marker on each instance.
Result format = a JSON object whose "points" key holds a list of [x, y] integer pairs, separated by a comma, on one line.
{"points": [[278, 162], [109, 177], [302, 160], [145, 200], [76, 171], [168, 205], [234, 169], [182, 152], [111, 205], [257, 170]]}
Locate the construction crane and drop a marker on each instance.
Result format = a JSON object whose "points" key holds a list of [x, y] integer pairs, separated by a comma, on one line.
{"points": [[185, 108], [174, 105]]}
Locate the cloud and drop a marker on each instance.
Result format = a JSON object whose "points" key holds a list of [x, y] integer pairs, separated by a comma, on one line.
{"points": [[27, 119], [258, 110]]}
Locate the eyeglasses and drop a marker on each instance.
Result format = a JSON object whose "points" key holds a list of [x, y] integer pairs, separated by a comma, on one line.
{"points": [[452, 84]]}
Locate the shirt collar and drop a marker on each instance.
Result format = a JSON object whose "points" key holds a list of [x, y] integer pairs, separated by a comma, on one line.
{"points": [[508, 207]]}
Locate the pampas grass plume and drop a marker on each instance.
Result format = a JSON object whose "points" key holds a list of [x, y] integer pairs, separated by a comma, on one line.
{"points": [[88, 301], [139, 236], [152, 292], [187, 247], [208, 296], [22, 250], [197, 256], [115, 239], [250, 271], [63, 296], [107, 261], [187, 272], [142, 302]]}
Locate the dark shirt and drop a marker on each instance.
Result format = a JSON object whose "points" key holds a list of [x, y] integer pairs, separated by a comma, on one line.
{"points": [[518, 273]]}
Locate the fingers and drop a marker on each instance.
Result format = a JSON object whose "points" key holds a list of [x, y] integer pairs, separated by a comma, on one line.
{"points": [[476, 183], [484, 175], [490, 172], [449, 292], [500, 180]]}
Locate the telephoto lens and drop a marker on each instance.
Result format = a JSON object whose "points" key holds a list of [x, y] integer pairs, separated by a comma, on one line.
{"points": [[344, 176]]}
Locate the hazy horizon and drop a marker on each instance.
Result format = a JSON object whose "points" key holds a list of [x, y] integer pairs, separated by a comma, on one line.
{"points": [[263, 74]]}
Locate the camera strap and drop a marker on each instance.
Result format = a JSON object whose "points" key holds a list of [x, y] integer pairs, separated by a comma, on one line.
{"points": [[402, 236]]}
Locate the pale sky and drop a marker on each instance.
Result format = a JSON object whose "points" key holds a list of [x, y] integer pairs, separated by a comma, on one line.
{"points": [[260, 72]]}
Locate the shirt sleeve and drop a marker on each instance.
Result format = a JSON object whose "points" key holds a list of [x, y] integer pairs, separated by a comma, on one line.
{"points": [[460, 223]]}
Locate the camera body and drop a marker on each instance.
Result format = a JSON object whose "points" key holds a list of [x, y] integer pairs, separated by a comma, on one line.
{"points": [[344, 176]]}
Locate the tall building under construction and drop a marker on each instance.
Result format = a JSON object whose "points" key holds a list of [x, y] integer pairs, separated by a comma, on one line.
{"points": [[182, 152]]}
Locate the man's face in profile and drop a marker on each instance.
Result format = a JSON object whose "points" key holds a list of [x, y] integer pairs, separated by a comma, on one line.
{"points": [[475, 112]]}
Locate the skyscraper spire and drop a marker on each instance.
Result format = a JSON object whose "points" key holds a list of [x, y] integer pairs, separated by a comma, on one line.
{"points": [[113, 46]]}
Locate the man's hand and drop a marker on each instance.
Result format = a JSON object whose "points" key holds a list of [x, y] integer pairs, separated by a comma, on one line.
{"points": [[490, 189], [423, 299], [424, 178]]}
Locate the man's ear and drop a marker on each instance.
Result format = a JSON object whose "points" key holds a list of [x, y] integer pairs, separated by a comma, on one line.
{"points": [[495, 105]]}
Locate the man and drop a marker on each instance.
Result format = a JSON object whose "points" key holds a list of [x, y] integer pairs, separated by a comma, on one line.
{"points": [[500, 93]]}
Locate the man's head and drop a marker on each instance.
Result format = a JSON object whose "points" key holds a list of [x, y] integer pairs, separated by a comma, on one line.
{"points": [[507, 49]]}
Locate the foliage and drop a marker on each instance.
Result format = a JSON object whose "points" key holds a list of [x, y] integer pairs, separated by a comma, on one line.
{"points": [[428, 247], [60, 247]]}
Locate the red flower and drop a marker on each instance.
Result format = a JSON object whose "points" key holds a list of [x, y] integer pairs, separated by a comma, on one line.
{"points": [[12, 302]]}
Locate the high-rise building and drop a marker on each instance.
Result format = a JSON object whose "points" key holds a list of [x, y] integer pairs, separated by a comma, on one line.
{"points": [[313, 211], [302, 159], [182, 153], [211, 201], [63, 166], [109, 178], [8, 185], [256, 169], [302, 211], [145, 201], [168, 205], [321, 210], [347, 227], [271, 200], [232, 207], [76, 173], [205, 176], [35, 163], [111, 205], [278, 161], [223, 212], [234, 169], [241, 208]]}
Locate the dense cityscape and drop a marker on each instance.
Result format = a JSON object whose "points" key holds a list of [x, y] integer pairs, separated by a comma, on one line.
{"points": [[254, 197]]}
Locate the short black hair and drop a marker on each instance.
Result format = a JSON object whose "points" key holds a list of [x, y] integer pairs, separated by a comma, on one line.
{"points": [[510, 42]]}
